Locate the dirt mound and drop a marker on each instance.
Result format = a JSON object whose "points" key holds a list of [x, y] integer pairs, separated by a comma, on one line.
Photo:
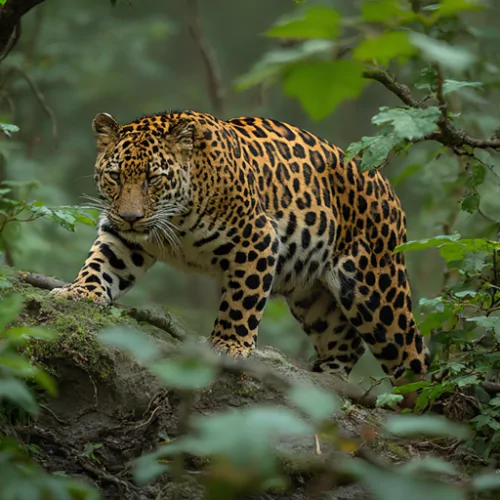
{"points": [[110, 410]]}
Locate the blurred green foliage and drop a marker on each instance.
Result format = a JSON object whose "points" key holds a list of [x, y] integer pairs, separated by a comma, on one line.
{"points": [[19, 476]]}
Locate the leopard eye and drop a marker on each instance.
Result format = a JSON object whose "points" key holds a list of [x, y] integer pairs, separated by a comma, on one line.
{"points": [[115, 176]]}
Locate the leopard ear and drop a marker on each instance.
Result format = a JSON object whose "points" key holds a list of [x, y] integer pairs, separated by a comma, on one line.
{"points": [[181, 137], [106, 129]]}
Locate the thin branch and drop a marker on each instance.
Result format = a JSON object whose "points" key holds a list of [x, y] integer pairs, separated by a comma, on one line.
{"points": [[389, 82], [41, 281], [41, 100], [215, 87]]}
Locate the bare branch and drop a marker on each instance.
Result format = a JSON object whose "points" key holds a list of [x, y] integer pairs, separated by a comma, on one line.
{"points": [[215, 86], [41, 281]]}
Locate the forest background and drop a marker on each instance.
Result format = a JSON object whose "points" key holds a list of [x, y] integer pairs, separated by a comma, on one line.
{"points": [[76, 59]]}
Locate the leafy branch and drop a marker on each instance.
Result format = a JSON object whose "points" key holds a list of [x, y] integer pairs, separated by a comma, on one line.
{"points": [[448, 134]]}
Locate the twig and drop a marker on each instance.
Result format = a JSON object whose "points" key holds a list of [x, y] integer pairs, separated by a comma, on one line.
{"points": [[59, 420], [375, 384], [41, 100], [104, 476], [215, 86], [317, 444], [161, 320], [41, 281]]}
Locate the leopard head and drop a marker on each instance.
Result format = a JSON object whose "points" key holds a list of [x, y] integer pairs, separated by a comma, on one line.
{"points": [[142, 174]]}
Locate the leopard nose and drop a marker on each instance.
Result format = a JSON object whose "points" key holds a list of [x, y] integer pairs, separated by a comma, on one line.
{"points": [[131, 216]]}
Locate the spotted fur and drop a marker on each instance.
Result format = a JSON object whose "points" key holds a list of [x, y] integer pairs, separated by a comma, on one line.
{"points": [[264, 208]]}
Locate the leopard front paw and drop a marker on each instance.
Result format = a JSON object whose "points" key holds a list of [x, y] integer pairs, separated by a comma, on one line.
{"points": [[80, 293], [229, 348]]}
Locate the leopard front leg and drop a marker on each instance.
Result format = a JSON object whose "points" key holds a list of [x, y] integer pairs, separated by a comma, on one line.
{"points": [[112, 267], [246, 285]]}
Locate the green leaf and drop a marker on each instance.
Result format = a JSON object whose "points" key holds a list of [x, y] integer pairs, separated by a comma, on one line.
{"points": [[388, 11], [429, 243], [488, 481], [375, 150], [147, 468], [185, 373], [334, 82], [393, 485], [133, 342], [425, 425], [17, 393], [316, 22], [429, 464], [470, 203], [388, 400], [414, 386], [7, 128], [10, 307], [452, 7], [450, 86], [253, 429], [451, 57], [18, 332], [409, 123], [385, 47], [489, 323], [485, 420], [317, 404], [275, 61]]}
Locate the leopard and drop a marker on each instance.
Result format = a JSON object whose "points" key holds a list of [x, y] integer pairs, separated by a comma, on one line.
{"points": [[266, 209]]}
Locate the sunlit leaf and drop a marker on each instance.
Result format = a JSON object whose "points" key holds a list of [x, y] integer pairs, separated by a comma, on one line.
{"points": [[315, 22], [334, 82], [7, 128], [275, 61], [388, 11], [387, 400], [452, 7], [385, 47]]}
